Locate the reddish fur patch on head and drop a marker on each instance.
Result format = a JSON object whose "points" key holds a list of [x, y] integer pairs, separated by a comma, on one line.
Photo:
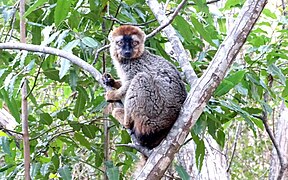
{"points": [[128, 30]]}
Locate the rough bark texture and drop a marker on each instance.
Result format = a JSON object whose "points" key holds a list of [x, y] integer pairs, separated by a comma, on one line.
{"points": [[282, 141], [202, 91]]}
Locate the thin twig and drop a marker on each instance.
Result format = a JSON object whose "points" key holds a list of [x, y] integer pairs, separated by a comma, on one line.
{"points": [[35, 80], [171, 18], [98, 52], [209, 2], [108, 45], [10, 131], [276, 146], [13, 18], [238, 130], [132, 24], [283, 165], [139, 148]]}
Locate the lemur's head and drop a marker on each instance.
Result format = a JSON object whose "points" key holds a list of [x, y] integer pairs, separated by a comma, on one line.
{"points": [[127, 42]]}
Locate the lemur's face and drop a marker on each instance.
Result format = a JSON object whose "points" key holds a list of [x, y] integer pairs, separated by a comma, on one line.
{"points": [[128, 46], [127, 42]]}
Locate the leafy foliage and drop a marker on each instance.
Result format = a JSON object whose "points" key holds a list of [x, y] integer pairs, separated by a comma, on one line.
{"points": [[66, 119]]}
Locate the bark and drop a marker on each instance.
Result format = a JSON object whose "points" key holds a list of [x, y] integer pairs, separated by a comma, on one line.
{"points": [[282, 141], [24, 104], [202, 91]]}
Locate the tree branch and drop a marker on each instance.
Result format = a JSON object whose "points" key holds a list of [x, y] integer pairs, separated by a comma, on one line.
{"points": [[139, 148], [181, 55], [238, 132], [53, 51], [209, 2], [168, 20], [24, 103], [200, 93]]}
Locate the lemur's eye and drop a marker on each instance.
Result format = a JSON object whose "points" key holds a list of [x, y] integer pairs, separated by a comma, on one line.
{"points": [[135, 43], [120, 43]]}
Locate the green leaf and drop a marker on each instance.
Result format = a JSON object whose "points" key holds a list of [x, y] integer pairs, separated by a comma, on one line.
{"points": [[6, 167], [184, 28], [4, 142], [88, 41], [220, 138], [258, 122], [34, 169], [268, 13], [55, 161], [75, 125], [73, 78], [285, 90], [182, 172], [34, 7], [274, 70], [45, 168], [202, 31], [89, 131], [12, 105], [36, 38], [52, 74], [222, 25], [223, 88], [61, 11], [82, 140], [232, 3], [229, 82], [64, 67], [98, 159], [80, 102], [113, 173], [199, 154], [64, 63], [63, 114], [45, 118], [65, 173], [2, 71]]}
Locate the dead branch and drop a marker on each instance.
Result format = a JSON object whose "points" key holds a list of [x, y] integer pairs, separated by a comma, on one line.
{"points": [[200, 93]]}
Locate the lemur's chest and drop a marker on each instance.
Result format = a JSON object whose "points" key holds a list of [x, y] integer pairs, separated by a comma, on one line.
{"points": [[129, 69]]}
